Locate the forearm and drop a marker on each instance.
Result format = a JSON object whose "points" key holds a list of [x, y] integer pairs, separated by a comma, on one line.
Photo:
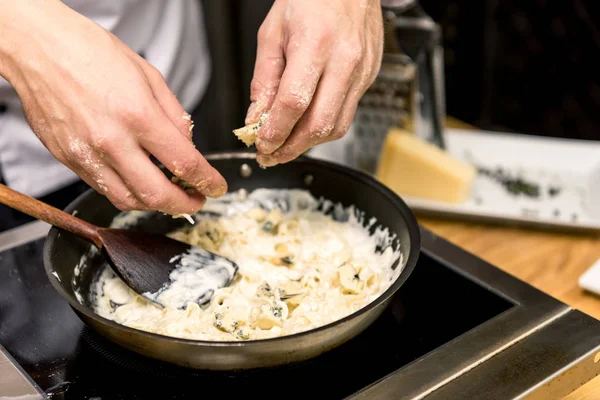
{"points": [[24, 27]]}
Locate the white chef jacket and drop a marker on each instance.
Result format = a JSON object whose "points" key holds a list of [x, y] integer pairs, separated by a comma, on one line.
{"points": [[168, 33]]}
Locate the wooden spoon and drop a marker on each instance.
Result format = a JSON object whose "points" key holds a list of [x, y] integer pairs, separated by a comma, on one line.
{"points": [[148, 263]]}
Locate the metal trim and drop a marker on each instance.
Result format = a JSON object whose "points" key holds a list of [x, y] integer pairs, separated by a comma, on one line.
{"points": [[533, 310], [15, 383], [23, 234], [547, 365], [423, 210]]}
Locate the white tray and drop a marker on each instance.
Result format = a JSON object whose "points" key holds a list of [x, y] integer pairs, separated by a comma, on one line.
{"points": [[566, 172]]}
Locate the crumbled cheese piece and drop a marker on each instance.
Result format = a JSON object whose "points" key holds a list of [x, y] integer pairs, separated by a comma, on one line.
{"points": [[350, 279], [247, 134], [267, 316]]}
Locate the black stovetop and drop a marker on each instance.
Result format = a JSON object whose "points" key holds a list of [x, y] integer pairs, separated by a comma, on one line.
{"points": [[69, 361]]}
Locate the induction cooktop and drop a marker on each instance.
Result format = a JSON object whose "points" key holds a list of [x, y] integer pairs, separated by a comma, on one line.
{"points": [[458, 329]]}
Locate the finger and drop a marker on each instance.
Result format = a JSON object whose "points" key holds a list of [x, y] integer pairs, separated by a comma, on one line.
{"points": [[303, 70], [364, 77], [346, 115], [151, 186], [182, 159], [168, 101], [318, 122], [268, 68], [107, 182]]}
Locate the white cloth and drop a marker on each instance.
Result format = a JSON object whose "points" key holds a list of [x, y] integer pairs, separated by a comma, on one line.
{"points": [[171, 36]]}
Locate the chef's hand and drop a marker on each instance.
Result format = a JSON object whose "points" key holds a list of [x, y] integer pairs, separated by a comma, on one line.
{"points": [[315, 60], [101, 109]]}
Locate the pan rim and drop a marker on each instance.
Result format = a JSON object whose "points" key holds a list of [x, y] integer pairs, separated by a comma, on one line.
{"points": [[413, 256]]}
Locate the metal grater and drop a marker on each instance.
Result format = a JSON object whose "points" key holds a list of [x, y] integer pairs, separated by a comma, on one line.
{"points": [[389, 102], [408, 92]]}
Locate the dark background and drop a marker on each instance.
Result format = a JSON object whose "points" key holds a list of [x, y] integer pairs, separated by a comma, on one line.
{"points": [[527, 66]]}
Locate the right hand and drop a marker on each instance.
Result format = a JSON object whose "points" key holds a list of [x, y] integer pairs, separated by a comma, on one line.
{"points": [[102, 110]]}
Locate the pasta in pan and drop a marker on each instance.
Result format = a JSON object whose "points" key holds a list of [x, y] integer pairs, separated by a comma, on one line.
{"points": [[303, 263]]}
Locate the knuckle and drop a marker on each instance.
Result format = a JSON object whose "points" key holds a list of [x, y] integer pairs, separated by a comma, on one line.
{"points": [[352, 52], [263, 33], [154, 73], [288, 153], [105, 144], [131, 114], [294, 101], [321, 130], [123, 204], [321, 29], [155, 199], [323, 37], [187, 167]]}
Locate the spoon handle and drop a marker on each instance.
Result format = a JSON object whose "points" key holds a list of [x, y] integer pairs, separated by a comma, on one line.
{"points": [[49, 214]]}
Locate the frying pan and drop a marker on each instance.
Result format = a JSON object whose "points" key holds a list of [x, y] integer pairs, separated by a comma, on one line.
{"points": [[63, 251]]}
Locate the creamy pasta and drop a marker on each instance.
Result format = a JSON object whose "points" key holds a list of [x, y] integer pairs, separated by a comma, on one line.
{"points": [[303, 263]]}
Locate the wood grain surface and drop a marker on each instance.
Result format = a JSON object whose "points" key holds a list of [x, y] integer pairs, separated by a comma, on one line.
{"points": [[551, 261]]}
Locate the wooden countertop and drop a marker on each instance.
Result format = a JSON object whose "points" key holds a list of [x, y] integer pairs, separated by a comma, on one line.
{"points": [[550, 261]]}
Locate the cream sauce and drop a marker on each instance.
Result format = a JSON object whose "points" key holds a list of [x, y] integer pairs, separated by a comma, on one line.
{"points": [[303, 263]]}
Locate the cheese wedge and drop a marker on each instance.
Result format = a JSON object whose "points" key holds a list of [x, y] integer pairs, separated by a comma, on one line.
{"points": [[411, 166]]}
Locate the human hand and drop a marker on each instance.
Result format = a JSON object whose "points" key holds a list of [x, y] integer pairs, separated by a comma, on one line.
{"points": [[102, 110], [315, 60]]}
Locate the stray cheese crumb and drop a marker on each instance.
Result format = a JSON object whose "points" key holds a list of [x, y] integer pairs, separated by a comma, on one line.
{"points": [[186, 216]]}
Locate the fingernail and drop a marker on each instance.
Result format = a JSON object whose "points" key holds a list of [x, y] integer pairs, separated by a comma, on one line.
{"points": [[220, 191], [266, 160]]}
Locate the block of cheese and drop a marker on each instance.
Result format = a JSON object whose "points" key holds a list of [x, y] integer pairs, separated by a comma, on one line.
{"points": [[411, 166]]}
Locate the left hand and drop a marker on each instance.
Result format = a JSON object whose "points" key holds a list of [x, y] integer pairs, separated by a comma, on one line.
{"points": [[315, 60]]}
